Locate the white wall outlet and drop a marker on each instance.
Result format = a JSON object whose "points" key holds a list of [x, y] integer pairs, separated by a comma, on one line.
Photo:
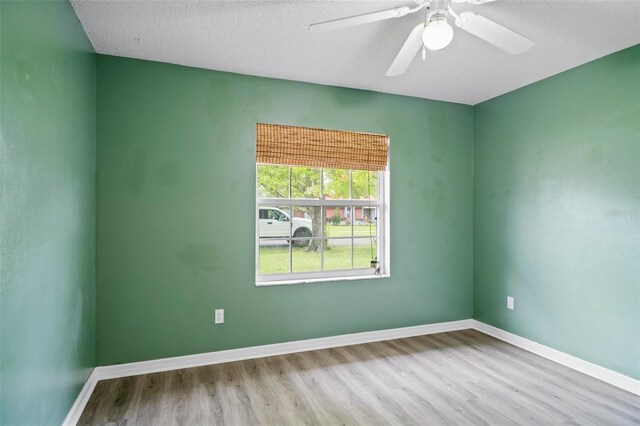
{"points": [[219, 319], [510, 302]]}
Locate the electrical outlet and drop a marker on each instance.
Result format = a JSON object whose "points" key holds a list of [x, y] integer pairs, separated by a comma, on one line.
{"points": [[219, 319], [510, 302]]}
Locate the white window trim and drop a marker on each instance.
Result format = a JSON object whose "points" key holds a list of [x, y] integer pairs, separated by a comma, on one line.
{"points": [[383, 237]]}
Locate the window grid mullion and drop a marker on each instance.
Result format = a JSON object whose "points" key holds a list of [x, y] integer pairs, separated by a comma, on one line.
{"points": [[290, 235], [380, 224], [352, 212], [356, 237], [352, 215], [290, 256], [310, 202], [322, 213], [290, 228]]}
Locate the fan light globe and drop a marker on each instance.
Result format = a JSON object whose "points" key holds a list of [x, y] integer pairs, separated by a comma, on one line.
{"points": [[437, 35]]}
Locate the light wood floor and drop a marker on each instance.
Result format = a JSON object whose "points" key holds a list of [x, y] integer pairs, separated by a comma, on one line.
{"points": [[463, 377]]}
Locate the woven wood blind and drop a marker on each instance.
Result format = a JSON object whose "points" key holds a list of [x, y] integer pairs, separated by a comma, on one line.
{"points": [[302, 146]]}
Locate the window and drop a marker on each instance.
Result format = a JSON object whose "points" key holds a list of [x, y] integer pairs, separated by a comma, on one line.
{"points": [[317, 223]]}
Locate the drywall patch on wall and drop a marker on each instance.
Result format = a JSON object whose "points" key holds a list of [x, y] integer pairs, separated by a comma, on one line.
{"points": [[47, 222], [557, 212]]}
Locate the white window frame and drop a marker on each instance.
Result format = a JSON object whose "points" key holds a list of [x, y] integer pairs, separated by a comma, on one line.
{"points": [[382, 234]]}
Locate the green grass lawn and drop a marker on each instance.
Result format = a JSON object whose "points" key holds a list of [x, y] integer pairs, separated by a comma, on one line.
{"points": [[345, 230], [275, 259]]}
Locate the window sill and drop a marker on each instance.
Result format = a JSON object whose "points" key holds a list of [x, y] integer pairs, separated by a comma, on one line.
{"points": [[320, 280]]}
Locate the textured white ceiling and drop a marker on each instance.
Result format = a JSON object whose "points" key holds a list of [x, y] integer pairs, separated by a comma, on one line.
{"points": [[270, 38]]}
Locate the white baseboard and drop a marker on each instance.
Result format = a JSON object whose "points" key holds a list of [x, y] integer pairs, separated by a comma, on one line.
{"points": [[166, 364], [188, 361], [81, 401], [601, 373]]}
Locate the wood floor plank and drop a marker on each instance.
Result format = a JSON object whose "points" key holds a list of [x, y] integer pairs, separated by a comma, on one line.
{"points": [[321, 394], [536, 384], [551, 379], [463, 377], [211, 409]]}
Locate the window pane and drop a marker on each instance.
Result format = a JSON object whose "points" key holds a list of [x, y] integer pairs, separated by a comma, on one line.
{"points": [[364, 251], [274, 256], [307, 258], [336, 184], [274, 222], [337, 221], [273, 181], [304, 224], [306, 242], [337, 254], [364, 185], [305, 182], [365, 221]]}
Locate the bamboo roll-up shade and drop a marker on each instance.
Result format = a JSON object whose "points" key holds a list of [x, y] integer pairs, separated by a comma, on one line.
{"points": [[336, 149]]}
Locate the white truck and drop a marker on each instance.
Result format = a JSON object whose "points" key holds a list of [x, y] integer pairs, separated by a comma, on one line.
{"points": [[275, 223]]}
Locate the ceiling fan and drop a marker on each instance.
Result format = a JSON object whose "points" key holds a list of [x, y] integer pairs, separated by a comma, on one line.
{"points": [[435, 33]]}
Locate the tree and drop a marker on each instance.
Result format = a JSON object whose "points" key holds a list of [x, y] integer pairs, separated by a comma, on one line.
{"points": [[364, 184], [273, 182]]}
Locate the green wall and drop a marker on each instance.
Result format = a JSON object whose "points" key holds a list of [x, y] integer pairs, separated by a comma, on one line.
{"points": [[176, 218], [535, 194], [557, 211], [47, 217]]}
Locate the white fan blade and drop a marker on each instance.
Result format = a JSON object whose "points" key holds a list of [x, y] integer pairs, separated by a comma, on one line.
{"points": [[359, 19], [494, 33], [408, 51]]}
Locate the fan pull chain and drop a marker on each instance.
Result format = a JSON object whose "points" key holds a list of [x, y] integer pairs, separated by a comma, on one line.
{"points": [[424, 52]]}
